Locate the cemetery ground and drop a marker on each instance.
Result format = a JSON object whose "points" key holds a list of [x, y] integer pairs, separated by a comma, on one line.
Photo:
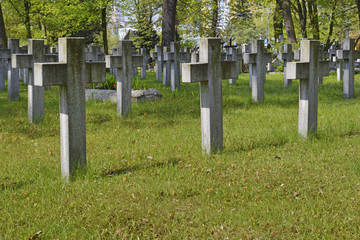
{"points": [[147, 176]]}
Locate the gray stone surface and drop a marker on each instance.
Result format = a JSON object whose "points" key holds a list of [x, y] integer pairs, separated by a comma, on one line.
{"points": [[258, 59], [172, 59], [166, 68], [124, 61], [286, 55], [209, 72], [13, 72], [5, 56], [36, 54], [158, 57], [144, 53], [110, 95], [307, 70], [234, 55], [71, 73], [94, 53], [348, 55]]}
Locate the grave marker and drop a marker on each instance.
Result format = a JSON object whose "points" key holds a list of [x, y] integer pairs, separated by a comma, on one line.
{"points": [[5, 56], [13, 72], [144, 53], [158, 57], [36, 54], [71, 73], [166, 67], [124, 61], [209, 72], [286, 55], [172, 60], [307, 70], [234, 55], [258, 58]]}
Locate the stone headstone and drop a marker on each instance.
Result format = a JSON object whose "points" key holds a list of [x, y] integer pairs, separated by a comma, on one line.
{"points": [[166, 68], [172, 61], [258, 59], [36, 54], [234, 55], [307, 70], [143, 52], [209, 72], [124, 61], [5, 56], [286, 55], [94, 54], [71, 73], [324, 66], [13, 72], [158, 57]]}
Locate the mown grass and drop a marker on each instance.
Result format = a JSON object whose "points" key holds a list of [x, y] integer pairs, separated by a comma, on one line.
{"points": [[147, 177]]}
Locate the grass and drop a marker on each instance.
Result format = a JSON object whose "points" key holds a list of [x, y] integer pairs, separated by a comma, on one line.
{"points": [[147, 177]]}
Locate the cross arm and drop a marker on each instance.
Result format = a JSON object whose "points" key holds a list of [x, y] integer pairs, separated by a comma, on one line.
{"points": [[22, 61], [168, 56], [297, 70], [249, 58], [229, 70], [342, 54], [194, 72], [95, 72], [268, 57], [324, 68], [137, 60], [113, 61], [51, 57], [154, 54], [50, 74], [5, 54]]}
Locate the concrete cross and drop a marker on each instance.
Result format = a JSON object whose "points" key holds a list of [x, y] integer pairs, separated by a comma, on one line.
{"points": [[209, 72], [286, 55], [246, 48], [36, 54], [94, 54], [5, 56], [124, 62], [158, 57], [234, 55], [13, 72], [307, 70], [166, 67], [185, 57], [339, 68], [194, 56], [71, 73], [348, 55], [324, 66], [144, 53], [173, 59], [297, 53], [258, 58]]}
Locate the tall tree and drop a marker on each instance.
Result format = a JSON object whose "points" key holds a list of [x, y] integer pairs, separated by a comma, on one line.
{"points": [[288, 21], [168, 22], [301, 10], [3, 39], [314, 21], [278, 20]]}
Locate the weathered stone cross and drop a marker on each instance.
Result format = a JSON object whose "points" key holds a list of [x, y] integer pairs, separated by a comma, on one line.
{"points": [[124, 61], [209, 72], [172, 60], [94, 54], [36, 54], [144, 53], [5, 56], [258, 59], [13, 72], [158, 57], [324, 65], [307, 70], [234, 55], [71, 73], [286, 55], [348, 55]]}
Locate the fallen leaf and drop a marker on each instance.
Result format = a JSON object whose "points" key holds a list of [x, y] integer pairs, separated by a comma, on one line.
{"points": [[35, 236], [117, 232], [277, 157]]}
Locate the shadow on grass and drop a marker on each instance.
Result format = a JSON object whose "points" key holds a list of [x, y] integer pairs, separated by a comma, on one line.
{"points": [[115, 172], [13, 185]]}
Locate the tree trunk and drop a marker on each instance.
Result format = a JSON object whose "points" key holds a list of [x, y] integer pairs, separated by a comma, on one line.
{"points": [[215, 16], [302, 12], [168, 22], [27, 18], [104, 30], [313, 15], [358, 8], [3, 39], [331, 28], [289, 25], [278, 20]]}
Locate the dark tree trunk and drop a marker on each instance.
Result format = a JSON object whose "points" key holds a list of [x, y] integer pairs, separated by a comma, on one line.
{"points": [[215, 16], [27, 18], [104, 30], [331, 28], [358, 8], [289, 25], [302, 12], [3, 39], [278, 20], [168, 22], [313, 15]]}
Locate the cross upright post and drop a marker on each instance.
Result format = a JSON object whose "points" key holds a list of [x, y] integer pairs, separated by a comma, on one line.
{"points": [[245, 48], [166, 68], [94, 54], [172, 58], [71, 74], [5, 56], [144, 53], [339, 68], [286, 55], [158, 57], [324, 65], [185, 57], [307, 70], [36, 54], [297, 53], [233, 55], [13, 72], [194, 56], [124, 62], [258, 58], [348, 55], [209, 72]]}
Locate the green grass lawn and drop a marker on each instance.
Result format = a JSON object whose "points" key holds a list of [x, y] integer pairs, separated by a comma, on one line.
{"points": [[147, 177]]}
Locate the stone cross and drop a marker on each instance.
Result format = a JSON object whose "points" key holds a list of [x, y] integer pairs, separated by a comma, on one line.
{"points": [[36, 54], [13, 72], [258, 58], [71, 73], [297, 53], [5, 56], [307, 70], [348, 55], [173, 57], [339, 68], [158, 58], [94, 54], [194, 56], [209, 72], [143, 52], [245, 48], [185, 57], [234, 55], [286, 55], [324, 66], [166, 67], [124, 61]]}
